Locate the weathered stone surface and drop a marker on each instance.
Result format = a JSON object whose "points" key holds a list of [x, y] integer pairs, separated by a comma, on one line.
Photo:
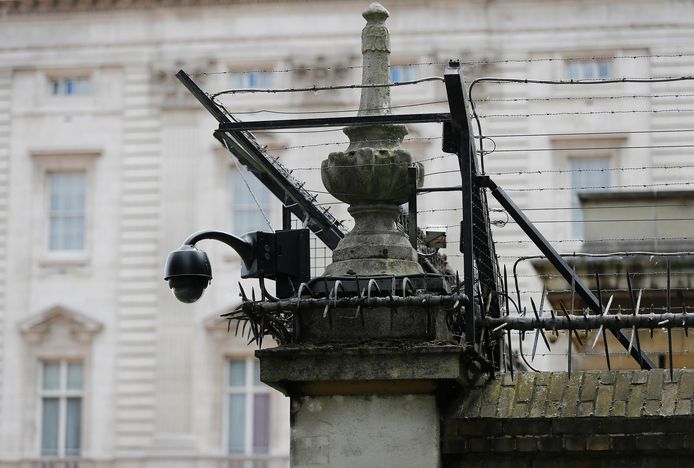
{"points": [[424, 323], [386, 369], [372, 174]]}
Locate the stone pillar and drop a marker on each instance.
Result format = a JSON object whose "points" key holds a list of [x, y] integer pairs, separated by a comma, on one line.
{"points": [[365, 384]]}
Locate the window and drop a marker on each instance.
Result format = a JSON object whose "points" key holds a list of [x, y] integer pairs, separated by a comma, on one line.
{"points": [[251, 79], [248, 408], [586, 175], [66, 211], [589, 69], [71, 86], [61, 409], [400, 73], [249, 197]]}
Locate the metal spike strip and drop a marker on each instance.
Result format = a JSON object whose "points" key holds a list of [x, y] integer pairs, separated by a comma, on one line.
{"points": [[604, 334], [669, 329], [508, 333], [635, 309], [352, 302], [537, 332], [591, 322]]}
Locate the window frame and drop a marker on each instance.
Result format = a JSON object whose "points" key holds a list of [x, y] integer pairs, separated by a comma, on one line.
{"points": [[408, 69], [62, 394], [66, 78], [249, 390], [46, 163], [595, 66], [577, 217], [54, 215], [568, 149]]}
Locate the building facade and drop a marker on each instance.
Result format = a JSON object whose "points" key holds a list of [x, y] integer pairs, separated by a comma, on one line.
{"points": [[107, 164]]}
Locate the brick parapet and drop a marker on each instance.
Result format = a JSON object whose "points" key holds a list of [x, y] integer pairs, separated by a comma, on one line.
{"points": [[591, 412]]}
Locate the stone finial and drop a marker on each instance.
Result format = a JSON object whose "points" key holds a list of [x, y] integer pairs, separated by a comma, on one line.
{"points": [[371, 175], [376, 13]]}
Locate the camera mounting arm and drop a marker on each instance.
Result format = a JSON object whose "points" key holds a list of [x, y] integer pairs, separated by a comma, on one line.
{"points": [[244, 248], [282, 256]]}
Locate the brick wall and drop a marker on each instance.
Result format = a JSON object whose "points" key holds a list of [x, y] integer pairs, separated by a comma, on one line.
{"points": [[593, 418]]}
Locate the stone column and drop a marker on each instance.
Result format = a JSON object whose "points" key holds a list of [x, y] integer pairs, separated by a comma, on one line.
{"points": [[365, 384]]}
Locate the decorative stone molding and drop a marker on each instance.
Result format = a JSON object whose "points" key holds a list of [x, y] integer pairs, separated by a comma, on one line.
{"points": [[81, 327], [19, 7]]}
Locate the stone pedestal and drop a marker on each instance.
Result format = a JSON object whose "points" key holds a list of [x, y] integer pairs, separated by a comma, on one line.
{"points": [[365, 382], [347, 432]]}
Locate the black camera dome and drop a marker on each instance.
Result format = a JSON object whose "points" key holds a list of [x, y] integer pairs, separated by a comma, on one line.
{"points": [[188, 272]]}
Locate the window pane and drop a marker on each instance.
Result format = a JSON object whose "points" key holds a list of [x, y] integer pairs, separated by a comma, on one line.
{"points": [[51, 375], [50, 413], [66, 210], [261, 423], [256, 373], [73, 426], [246, 216], [71, 86], [586, 173], [237, 423], [237, 373], [74, 376]]}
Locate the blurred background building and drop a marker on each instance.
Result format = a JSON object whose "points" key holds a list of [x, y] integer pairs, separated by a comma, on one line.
{"points": [[107, 164]]}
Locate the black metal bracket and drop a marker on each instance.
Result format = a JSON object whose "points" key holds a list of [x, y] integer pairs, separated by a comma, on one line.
{"points": [[479, 249], [282, 256], [334, 122]]}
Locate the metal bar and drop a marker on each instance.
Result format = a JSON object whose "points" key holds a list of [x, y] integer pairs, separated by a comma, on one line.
{"points": [[334, 122], [454, 188], [604, 334], [250, 154], [590, 322], [466, 152], [352, 302], [559, 263], [412, 206], [635, 310], [286, 218], [202, 97]]}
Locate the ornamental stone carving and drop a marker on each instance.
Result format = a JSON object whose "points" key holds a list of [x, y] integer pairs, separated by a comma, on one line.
{"points": [[371, 174]]}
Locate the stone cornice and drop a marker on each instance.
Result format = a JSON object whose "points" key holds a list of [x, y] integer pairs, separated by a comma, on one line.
{"points": [[21, 7]]}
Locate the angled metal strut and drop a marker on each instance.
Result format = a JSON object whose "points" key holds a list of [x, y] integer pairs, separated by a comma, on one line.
{"points": [[275, 177]]}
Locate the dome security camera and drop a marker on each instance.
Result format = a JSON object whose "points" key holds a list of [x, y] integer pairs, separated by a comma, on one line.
{"points": [[188, 272], [188, 269]]}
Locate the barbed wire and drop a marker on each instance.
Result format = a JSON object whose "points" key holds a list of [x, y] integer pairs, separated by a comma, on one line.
{"points": [[631, 111], [586, 98], [340, 111], [584, 221], [445, 62], [612, 274], [570, 171], [599, 187], [559, 208], [612, 132], [316, 88]]}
